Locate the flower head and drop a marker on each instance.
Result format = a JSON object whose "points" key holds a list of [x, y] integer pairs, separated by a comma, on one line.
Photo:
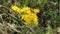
{"points": [[36, 10], [26, 9], [15, 8], [30, 17]]}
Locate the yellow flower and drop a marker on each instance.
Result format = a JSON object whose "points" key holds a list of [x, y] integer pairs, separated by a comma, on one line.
{"points": [[25, 17], [29, 17], [15, 8], [36, 10], [26, 9], [35, 21]]}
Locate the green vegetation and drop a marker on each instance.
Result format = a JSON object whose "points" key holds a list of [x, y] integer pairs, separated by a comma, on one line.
{"points": [[48, 17]]}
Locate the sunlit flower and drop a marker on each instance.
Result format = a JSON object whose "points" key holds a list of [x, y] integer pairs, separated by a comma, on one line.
{"points": [[35, 21], [30, 17], [26, 9], [15, 8], [36, 10]]}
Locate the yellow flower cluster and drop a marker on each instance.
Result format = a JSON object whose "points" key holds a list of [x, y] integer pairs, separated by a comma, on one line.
{"points": [[17, 9], [26, 9], [29, 17]]}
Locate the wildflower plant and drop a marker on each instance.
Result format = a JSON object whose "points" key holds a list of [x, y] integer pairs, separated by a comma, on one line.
{"points": [[27, 15]]}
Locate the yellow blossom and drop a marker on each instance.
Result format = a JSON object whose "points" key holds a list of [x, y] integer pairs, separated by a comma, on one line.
{"points": [[25, 17], [15, 8], [36, 10], [35, 21], [29, 17], [26, 9]]}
